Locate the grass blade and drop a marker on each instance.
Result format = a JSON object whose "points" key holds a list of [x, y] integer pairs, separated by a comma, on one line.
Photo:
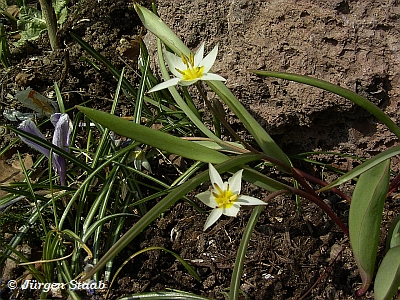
{"points": [[241, 254], [180, 259], [176, 295], [377, 159]]}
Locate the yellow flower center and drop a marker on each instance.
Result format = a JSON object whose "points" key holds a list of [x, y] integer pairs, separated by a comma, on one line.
{"points": [[138, 154], [192, 72], [224, 198]]}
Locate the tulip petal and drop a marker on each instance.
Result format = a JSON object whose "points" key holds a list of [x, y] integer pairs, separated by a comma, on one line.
{"points": [[207, 199], [235, 182], [212, 76], [164, 85], [248, 200], [212, 218], [146, 165], [231, 211], [198, 57], [188, 82], [214, 176], [138, 164], [209, 60], [221, 191], [174, 62], [184, 65]]}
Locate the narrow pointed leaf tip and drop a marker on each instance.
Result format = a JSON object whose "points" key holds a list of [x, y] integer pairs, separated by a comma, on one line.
{"points": [[224, 197], [189, 69], [155, 25]]}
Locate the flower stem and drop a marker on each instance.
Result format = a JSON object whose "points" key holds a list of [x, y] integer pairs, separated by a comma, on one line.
{"points": [[323, 183], [51, 22], [221, 118], [317, 200]]}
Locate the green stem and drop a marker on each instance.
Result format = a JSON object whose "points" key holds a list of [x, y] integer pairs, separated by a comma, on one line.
{"points": [[223, 121], [323, 183], [241, 254], [9, 16], [51, 22]]}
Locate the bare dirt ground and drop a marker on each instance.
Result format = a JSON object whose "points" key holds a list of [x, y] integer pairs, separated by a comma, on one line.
{"points": [[351, 43]]}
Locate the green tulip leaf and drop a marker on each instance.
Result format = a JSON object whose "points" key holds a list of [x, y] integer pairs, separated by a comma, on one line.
{"points": [[365, 218], [393, 237], [263, 139], [387, 279], [377, 159], [154, 138], [154, 24], [350, 95]]}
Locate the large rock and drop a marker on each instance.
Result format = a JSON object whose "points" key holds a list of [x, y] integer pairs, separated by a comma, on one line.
{"points": [[351, 43]]}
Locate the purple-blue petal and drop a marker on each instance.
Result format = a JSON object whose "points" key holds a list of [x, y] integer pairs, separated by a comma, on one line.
{"points": [[30, 127], [62, 130], [61, 138], [60, 165]]}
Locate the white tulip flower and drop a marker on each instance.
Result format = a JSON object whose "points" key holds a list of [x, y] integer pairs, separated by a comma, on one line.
{"points": [[139, 159], [189, 70], [225, 197]]}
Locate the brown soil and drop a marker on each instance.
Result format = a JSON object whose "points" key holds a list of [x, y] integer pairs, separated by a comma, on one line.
{"points": [[351, 43]]}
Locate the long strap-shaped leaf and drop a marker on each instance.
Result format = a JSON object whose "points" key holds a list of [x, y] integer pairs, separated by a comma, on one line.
{"points": [[154, 138], [154, 24], [262, 138], [387, 279], [241, 254], [377, 159], [173, 144], [365, 219], [357, 99]]}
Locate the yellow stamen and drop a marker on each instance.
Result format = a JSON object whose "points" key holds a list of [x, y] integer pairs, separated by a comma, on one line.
{"points": [[224, 198], [184, 59], [191, 59], [191, 72]]}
